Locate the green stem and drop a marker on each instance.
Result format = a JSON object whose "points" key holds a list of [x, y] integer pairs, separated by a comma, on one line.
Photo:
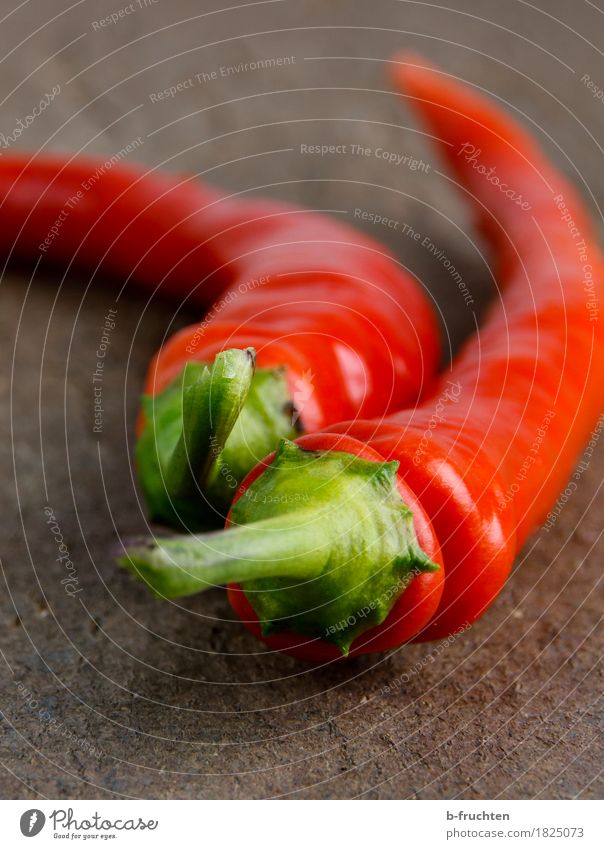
{"points": [[205, 432], [321, 542], [183, 565], [210, 407]]}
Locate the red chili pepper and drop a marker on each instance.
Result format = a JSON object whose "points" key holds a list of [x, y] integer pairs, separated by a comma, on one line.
{"points": [[515, 409], [339, 327], [529, 382]]}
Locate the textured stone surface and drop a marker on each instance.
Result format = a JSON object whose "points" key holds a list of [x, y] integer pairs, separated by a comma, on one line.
{"points": [[112, 694]]}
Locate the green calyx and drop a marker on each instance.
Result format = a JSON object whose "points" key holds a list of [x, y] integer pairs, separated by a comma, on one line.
{"points": [[321, 542], [205, 432]]}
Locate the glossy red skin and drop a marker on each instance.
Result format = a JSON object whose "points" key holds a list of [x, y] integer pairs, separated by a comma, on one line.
{"points": [[414, 608], [459, 489], [540, 347], [354, 331], [530, 382]]}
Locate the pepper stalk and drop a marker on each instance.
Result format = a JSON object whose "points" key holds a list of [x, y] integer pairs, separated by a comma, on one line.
{"points": [[321, 542], [204, 432]]}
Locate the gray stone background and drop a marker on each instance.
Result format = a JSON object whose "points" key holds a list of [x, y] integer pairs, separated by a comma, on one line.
{"points": [[112, 694]]}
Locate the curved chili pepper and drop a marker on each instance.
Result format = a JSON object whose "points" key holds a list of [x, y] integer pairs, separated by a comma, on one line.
{"points": [[339, 327], [522, 397], [325, 537]]}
